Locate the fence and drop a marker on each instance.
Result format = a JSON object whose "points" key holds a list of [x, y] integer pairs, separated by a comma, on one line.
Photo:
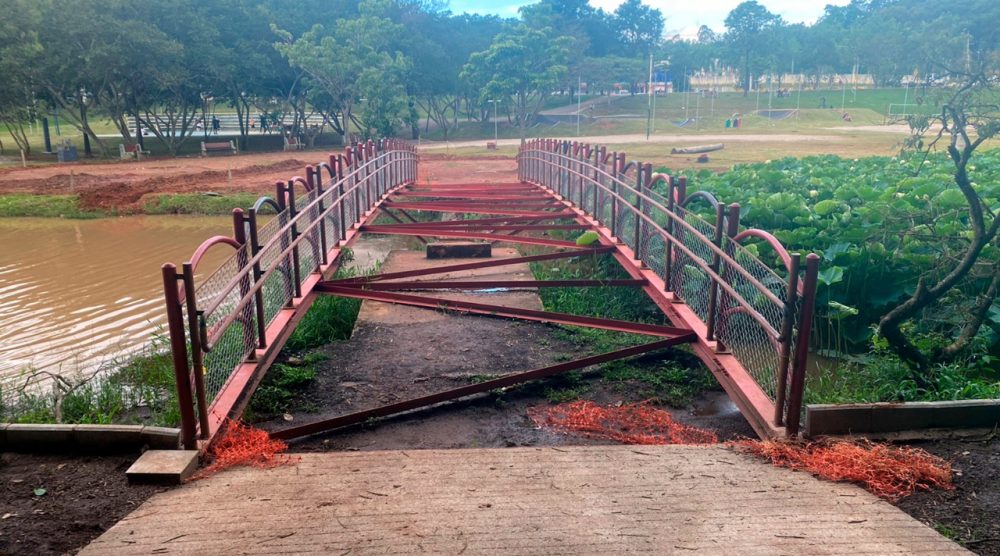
{"points": [[758, 314], [222, 323]]}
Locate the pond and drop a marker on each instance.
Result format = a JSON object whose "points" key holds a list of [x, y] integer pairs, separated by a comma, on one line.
{"points": [[76, 293]]}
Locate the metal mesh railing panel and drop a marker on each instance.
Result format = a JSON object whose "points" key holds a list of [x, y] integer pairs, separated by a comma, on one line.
{"points": [[736, 324], [238, 339], [688, 279]]}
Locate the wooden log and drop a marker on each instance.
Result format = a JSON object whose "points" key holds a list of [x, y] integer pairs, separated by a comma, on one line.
{"points": [[698, 149]]}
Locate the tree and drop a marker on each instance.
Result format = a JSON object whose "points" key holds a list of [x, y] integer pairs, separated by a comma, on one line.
{"points": [[746, 27], [639, 27], [351, 62], [523, 64], [969, 117], [18, 44]]}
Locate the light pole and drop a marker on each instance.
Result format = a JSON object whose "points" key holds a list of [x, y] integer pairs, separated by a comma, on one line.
{"points": [[649, 95], [496, 129], [579, 107], [660, 64]]}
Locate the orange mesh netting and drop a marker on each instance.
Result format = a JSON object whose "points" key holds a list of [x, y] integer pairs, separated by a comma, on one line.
{"points": [[244, 445], [638, 423], [887, 471]]}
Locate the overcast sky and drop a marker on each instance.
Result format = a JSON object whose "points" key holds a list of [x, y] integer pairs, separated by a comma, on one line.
{"points": [[681, 15]]}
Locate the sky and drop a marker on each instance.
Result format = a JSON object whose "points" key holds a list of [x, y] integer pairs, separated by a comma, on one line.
{"points": [[682, 16]]}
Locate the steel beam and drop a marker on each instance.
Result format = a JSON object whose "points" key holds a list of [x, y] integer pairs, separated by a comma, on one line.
{"points": [[492, 284], [487, 263], [472, 389], [448, 232], [501, 311]]}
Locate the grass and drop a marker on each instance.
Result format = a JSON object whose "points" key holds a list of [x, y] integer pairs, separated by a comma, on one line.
{"points": [[674, 378], [675, 383], [881, 377], [278, 393], [57, 206], [329, 319], [197, 203], [68, 206]]}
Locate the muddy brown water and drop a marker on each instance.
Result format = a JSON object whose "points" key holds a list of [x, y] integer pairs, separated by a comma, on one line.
{"points": [[74, 294]]}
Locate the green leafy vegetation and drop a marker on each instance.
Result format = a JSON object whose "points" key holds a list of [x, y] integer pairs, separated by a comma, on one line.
{"points": [[881, 225], [878, 223], [136, 390]]}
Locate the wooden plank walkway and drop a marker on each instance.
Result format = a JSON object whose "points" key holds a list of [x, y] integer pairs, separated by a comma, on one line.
{"points": [[567, 500]]}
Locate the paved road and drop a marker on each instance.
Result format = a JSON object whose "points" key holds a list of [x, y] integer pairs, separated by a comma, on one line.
{"points": [[567, 500]]}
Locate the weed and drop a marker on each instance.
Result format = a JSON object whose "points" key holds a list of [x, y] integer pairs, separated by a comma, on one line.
{"points": [[139, 390], [278, 391], [667, 382], [330, 319]]}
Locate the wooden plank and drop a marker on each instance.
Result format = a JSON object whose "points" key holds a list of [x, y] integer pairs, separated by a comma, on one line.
{"points": [[825, 419], [569, 500]]}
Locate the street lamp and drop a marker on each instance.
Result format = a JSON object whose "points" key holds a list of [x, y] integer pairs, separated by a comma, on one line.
{"points": [[496, 131], [651, 121]]}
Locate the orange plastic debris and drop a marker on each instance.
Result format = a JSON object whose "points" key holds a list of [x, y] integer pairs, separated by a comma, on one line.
{"points": [[244, 445], [888, 471], [638, 423]]}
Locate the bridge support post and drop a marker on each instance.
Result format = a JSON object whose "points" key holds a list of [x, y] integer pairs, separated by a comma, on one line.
{"points": [[340, 195], [178, 349], [195, 321], [240, 235], [292, 213], [802, 346], [785, 339], [713, 294], [258, 296], [637, 232]]}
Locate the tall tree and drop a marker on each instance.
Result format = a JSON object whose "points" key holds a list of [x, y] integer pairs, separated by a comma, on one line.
{"points": [[746, 29], [524, 65], [639, 27]]}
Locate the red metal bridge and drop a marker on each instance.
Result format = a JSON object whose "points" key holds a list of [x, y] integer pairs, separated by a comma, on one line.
{"points": [[747, 320]]}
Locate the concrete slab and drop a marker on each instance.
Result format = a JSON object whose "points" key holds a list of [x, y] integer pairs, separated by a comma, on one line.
{"points": [[458, 250], [566, 500], [163, 467]]}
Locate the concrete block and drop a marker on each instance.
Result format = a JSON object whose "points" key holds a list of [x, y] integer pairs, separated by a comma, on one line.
{"points": [[38, 437], [455, 249], [163, 467], [107, 438], [161, 438], [3, 436]]}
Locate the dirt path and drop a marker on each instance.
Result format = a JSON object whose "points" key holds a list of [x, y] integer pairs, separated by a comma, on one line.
{"points": [[122, 186], [662, 138], [81, 498]]}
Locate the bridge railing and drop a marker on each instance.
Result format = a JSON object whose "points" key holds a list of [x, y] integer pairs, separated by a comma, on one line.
{"points": [[223, 321], [693, 244]]}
